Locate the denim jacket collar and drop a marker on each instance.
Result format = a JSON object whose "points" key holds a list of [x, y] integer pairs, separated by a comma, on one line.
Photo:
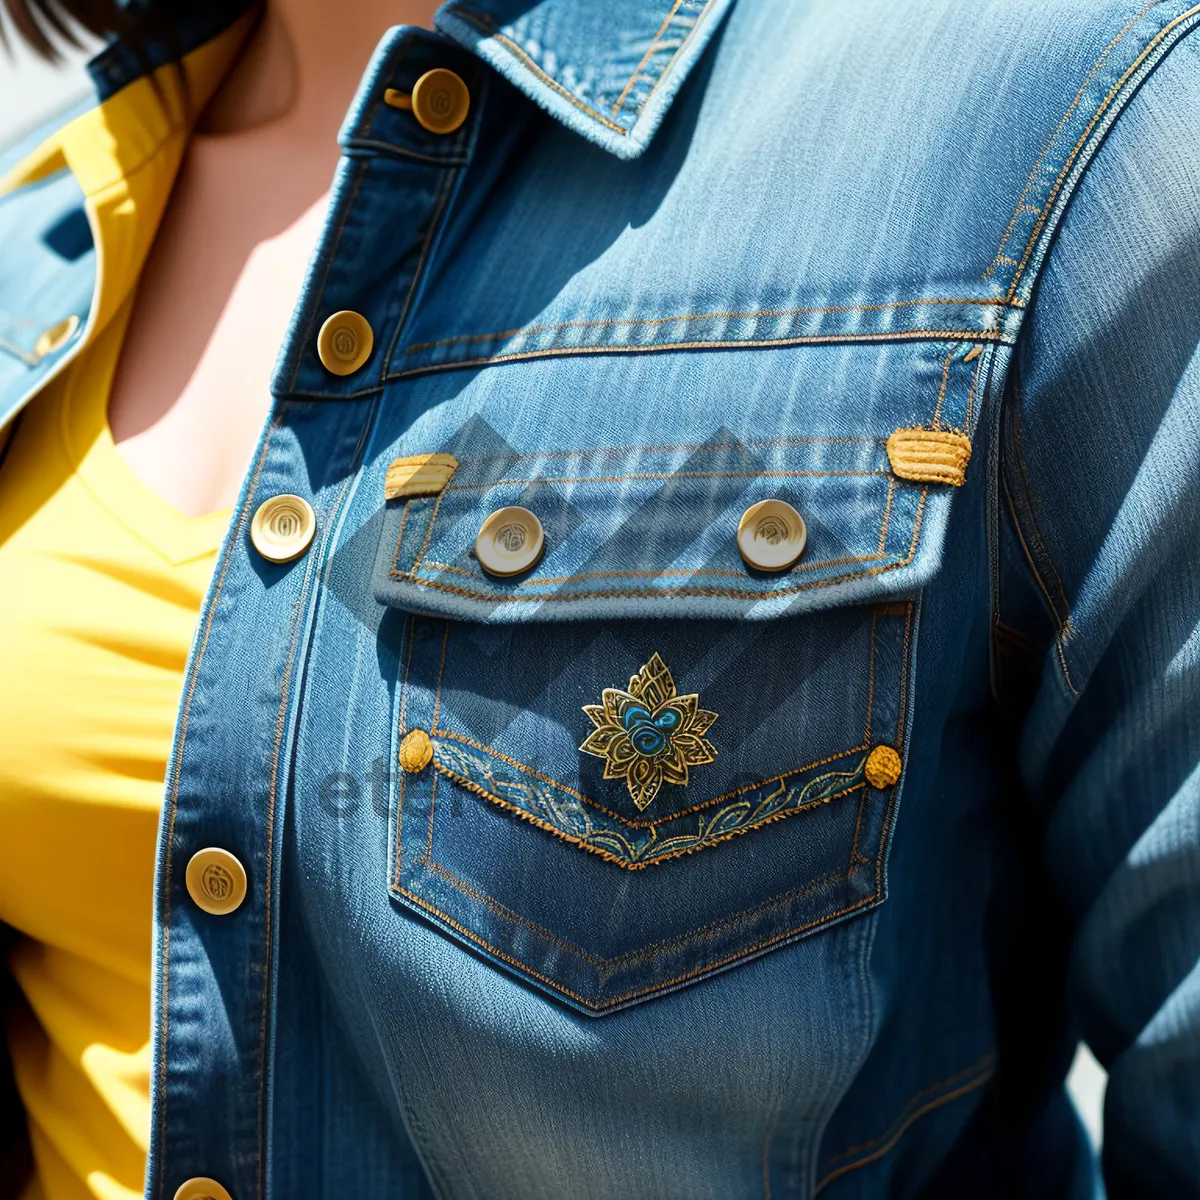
{"points": [[608, 69]]}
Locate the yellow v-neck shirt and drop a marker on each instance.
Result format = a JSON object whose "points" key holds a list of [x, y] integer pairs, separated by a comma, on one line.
{"points": [[101, 583]]}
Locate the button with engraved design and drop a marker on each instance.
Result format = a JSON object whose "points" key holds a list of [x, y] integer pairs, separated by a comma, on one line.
{"points": [[771, 535], [511, 541], [202, 1189], [440, 100], [283, 528], [216, 881], [345, 342]]}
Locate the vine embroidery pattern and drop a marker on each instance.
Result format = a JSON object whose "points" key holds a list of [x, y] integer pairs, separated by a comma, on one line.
{"points": [[559, 812]]}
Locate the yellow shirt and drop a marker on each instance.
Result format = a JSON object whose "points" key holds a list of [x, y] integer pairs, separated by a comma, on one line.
{"points": [[101, 583]]}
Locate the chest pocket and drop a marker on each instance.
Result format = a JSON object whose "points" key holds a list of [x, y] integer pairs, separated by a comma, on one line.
{"points": [[641, 760]]}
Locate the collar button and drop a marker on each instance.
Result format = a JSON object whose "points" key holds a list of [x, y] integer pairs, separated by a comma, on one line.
{"points": [[440, 101]]}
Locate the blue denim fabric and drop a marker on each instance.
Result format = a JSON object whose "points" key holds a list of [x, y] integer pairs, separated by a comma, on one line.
{"points": [[500, 976]]}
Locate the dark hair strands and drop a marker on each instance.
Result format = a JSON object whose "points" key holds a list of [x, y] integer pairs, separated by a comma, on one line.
{"points": [[45, 25], [48, 25]]}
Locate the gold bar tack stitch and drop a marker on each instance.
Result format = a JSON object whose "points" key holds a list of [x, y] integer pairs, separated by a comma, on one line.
{"points": [[930, 455], [418, 475]]}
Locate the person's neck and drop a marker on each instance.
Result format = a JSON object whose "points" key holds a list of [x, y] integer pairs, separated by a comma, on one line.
{"points": [[300, 69]]}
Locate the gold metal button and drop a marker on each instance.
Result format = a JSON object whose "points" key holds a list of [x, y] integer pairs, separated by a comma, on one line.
{"points": [[771, 535], [216, 881], [415, 751], [55, 338], [883, 767], [345, 342], [283, 528], [202, 1189], [511, 541], [440, 100]]}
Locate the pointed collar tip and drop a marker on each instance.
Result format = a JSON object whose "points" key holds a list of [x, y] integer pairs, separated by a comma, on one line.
{"points": [[609, 71]]}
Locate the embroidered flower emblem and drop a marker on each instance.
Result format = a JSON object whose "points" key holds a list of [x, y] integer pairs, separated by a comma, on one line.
{"points": [[649, 735]]}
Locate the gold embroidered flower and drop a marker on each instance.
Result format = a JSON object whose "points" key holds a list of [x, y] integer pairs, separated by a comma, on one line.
{"points": [[649, 735]]}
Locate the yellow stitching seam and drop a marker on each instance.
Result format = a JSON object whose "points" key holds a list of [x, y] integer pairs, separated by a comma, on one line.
{"points": [[665, 573], [887, 516], [748, 315], [554, 985], [941, 396], [437, 704], [831, 339], [987, 1070], [606, 966], [519, 54], [1068, 166], [690, 447], [648, 475], [1024, 209], [669, 593], [654, 43]]}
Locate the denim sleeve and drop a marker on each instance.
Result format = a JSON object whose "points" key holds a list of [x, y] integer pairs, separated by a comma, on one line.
{"points": [[1099, 508]]}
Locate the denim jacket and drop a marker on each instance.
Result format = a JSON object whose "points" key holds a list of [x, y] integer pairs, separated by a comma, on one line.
{"points": [[648, 872]]}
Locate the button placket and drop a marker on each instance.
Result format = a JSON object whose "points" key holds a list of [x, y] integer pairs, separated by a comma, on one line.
{"points": [[236, 735], [401, 176]]}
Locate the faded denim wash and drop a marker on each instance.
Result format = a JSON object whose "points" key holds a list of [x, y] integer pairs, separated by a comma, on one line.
{"points": [[673, 264]]}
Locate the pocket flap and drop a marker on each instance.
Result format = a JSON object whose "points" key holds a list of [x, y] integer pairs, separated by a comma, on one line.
{"points": [[653, 532]]}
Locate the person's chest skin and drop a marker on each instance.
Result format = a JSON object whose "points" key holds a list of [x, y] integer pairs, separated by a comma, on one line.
{"points": [[191, 391]]}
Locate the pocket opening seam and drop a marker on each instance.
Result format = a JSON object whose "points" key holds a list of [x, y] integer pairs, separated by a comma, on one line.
{"points": [[607, 855], [687, 812], [436, 731]]}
